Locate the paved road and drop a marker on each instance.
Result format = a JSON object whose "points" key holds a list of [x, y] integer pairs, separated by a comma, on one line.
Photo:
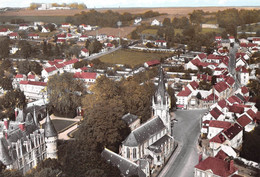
{"points": [[92, 57], [186, 132]]}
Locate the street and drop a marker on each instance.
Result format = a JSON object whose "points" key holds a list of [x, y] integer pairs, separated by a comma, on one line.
{"points": [[185, 131]]}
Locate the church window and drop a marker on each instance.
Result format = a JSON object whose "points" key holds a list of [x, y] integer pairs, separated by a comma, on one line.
{"points": [[128, 153], [134, 153]]}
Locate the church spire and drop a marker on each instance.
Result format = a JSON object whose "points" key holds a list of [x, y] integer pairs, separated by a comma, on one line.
{"points": [[35, 117], [161, 92], [49, 128]]}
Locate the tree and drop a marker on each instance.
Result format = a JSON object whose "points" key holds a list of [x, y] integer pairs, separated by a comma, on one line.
{"points": [[6, 64], [4, 48], [24, 67], [64, 94], [26, 48], [166, 22], [6, 83], [11, 100], [87, 43], [196, 16], [35, 67], [94, 47], [134, 35]]}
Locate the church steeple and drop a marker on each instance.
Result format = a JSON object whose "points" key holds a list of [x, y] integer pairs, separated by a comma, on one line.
{"points": [[161, 101], [35, 117], [161, 93]]}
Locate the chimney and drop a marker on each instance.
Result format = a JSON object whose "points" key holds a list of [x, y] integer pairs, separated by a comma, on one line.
{"points": [[231, 165], [6, 123], [22, 126]]}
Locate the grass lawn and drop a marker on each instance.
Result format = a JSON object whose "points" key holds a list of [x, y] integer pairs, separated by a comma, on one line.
{"points": [[60, 124], [130, 57], [250, 28], [209, 30], [150, 31]]}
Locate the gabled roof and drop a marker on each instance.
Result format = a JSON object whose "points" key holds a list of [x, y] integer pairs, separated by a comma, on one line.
{"points": [[71, 61], [194, 85], [219, 124], [230, 80], [185, 92], [50, 69], [251, 113], [218, 166], [202, 55], [233, 99], [232, 131], [211, 97], [219, 138], [221, 86], [236, 108], [33, 83], [144, 132], [59, 65], [153, 62], [196, 62], [13, 34], [242, 69], [215, 112], [4, 30], [31, 76], [222, 103], [244, 120], [244, 90], [19, 76], [126, 167], [84, 50], [85, 75], [129, 118]]}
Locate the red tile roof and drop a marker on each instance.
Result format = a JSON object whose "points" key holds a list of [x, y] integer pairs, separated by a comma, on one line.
{"points": [[196, 62], [84, 36], [13, 34], [84, 50], [211, 97], [50, 69], [59, 65], [153, 62], [236, 108], [85, 75], [185, 92], [33, 83], [52, 62], [19, 76], [233, 99], [219, 124], [33, 34], [251, 113], [194, 85], [221, 155], [221, 86], [202, 56], [222, 103], [31, 76], [230, 80], [244, 90], [258, 116], [215, 112], [247, 45], [219, 167], [242, 69], [71, 61], [3, 30], [219, 138], [244, 120], [232, 131]]}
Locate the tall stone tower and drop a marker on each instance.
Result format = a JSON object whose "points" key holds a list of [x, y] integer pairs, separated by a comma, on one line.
{"points": [[51, 138], [161, 101]]}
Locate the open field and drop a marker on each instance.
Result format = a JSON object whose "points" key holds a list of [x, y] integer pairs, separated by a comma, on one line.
{"points": [[210, 30], [47, 19], [250, 28], [130, 57], [124, 31], [150, 31], [173, 11]]}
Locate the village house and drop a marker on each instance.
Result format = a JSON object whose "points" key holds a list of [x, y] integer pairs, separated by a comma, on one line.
{"points": [[5, 32], [151, 63], [156, 23], [33, 36], [213, 166], [65, 25], [161, 43], [45, 29], [47, 72], [23, 27], [84, 52], [83, 38], [13, 35], [138, 21], [87, 77], [242, 75], [34, 90]]}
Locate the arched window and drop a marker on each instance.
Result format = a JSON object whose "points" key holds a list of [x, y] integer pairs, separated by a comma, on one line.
{"points": [[134, 153], [128, 153]]}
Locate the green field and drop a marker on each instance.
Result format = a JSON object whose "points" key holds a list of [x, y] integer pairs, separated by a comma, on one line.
{"points": [[210, 30], [47, 19], [249, 28], [130, 57]]}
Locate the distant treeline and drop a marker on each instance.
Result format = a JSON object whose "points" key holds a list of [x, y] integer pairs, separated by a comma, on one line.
{"points": [[108, 18], [74, 5]]}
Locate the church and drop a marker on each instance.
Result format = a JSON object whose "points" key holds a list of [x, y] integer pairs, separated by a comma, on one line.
{"points": [[151, 141], [23, 144]]}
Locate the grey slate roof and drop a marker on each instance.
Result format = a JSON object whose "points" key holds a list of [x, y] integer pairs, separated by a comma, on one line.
{"points": [[161, 90], [144, 132], [156, 146], [4, 154], [126, 167], [49, 129], [129, 118]]}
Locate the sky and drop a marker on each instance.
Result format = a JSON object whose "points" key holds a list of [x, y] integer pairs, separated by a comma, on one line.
{"points": [[139, 3]]}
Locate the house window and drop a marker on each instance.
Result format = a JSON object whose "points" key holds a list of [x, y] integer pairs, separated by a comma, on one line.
{"points": [[128, 153], [134, 153]]}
